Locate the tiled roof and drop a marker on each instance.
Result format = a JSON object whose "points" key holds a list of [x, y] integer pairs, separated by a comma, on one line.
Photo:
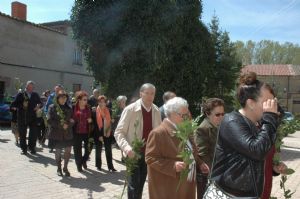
{"points": [[30, 23], [273, 69], [56, 23], [296, 68]]}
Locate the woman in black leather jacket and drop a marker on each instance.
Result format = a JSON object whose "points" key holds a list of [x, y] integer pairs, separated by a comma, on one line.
{"points": [[238, 167]]}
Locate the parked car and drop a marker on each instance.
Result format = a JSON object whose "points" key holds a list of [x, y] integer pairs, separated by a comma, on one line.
{"points": [[288, 116]]}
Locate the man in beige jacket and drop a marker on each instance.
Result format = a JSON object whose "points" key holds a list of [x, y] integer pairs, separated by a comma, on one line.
{"points": [[138, 119]]}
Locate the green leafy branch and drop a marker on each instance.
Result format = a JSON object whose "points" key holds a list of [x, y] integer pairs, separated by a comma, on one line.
{"points": [[132, 163], [60, 114], [286, 128], [184, 132], [115, 109]]}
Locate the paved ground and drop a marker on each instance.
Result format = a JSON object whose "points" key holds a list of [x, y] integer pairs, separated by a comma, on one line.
{"points": [[34, 176]]}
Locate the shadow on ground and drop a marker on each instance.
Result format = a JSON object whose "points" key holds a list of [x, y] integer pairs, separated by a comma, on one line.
{"points": [[4, 140], [289, 154], [4, 127], [94, 179], [41, 159]]}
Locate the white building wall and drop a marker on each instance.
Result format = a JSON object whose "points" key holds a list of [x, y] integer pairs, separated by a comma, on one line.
{"points": [[35, 53]]}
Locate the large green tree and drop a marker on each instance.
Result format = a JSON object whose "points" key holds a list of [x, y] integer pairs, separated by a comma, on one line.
{"points": [[129, 42], [227, 65]]}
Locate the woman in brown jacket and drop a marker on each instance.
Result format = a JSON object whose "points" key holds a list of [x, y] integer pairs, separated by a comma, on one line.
{"points": [[164, 165], [206, 137], [60, 123]]}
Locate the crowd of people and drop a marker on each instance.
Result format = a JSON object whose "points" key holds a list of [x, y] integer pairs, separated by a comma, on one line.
{"points": [[67, 122], [231, 153]]}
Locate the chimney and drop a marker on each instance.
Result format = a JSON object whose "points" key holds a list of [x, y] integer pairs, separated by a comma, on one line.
{"points": [[19, 10]]}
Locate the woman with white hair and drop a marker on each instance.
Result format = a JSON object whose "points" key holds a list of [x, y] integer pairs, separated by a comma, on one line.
{"points": [[164, 165]]}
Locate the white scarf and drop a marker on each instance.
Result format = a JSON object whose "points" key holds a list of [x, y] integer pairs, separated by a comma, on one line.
{"points": [[192, 167]]}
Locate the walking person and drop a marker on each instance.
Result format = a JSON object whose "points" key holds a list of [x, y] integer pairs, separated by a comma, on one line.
{"points": [[27, 103], [166, 97], [50, 100], [93, 103], [82, 127], [121, 104], [164, 165], [206, 137], [137, 120], [272, 169], [102, 134], [60, 131], [52, 97], [93, 100], [238, 168], [14, 123]]}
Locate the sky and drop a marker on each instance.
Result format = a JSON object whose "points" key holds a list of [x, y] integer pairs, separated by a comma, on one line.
{"points": [[276, 20]]}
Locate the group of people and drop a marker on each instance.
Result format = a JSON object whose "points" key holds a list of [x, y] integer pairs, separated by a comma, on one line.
{"points": [[231, 153], [67, 123]]}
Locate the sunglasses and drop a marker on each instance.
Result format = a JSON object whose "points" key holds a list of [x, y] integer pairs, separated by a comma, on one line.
{"points": [[219, 114]]}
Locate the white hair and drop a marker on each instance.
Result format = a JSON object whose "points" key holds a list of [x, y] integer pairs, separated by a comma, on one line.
{"points": [[30, 82], [121, 98], [96, 90], [174, 105]]}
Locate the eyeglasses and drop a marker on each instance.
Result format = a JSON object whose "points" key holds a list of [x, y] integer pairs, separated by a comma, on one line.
{"points": [[219, 114], [184, 116]]}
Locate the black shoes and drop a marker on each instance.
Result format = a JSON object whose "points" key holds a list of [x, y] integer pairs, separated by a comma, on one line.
{"points": [[84, 165], [24, 153], [59, 172], [33, 151], [99, 168], [79, 168], [66, 171], [112, 170]]}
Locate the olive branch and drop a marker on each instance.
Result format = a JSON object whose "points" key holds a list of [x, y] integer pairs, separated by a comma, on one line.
{"points": [[60, 114], [132, 163], [185, 131], [286, 128]]}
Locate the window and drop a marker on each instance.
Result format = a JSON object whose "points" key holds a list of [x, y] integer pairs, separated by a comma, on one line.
{"points": [[77, 57], [76, 87]]}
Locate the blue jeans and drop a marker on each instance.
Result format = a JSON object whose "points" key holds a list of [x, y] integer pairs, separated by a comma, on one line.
{"points": [[137, 180]]}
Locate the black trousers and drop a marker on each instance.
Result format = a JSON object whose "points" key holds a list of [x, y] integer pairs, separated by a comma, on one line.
{"points": [[108, 152], [41, 130], [79, 158], [137, 180], [32, 135], [202, 181]]}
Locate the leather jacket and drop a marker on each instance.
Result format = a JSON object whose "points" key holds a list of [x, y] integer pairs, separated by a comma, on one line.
{"points": [[240, 153]]}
